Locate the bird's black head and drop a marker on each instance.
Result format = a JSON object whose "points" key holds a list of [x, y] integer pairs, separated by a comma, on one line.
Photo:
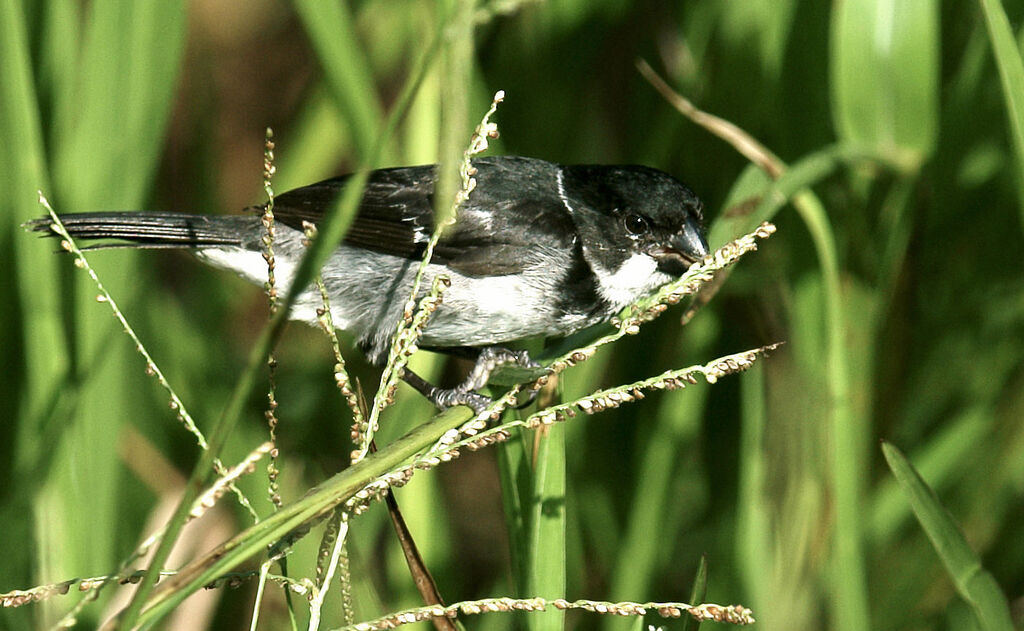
{"points": [[638, 226]]}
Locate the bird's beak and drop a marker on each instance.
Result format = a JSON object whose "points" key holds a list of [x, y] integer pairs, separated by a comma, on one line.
{"points": [[684, 249]]}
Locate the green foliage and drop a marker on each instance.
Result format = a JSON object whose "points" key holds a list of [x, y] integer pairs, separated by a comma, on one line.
{"points": [[1011, 73], [973, 583], [896, 280]]}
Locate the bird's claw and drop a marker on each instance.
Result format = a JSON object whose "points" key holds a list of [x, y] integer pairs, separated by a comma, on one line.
{"points": [[452, 397], [490, 358], [465, 393]]}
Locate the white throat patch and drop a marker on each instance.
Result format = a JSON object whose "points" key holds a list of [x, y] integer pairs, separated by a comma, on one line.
{"points": [[636, 277]]}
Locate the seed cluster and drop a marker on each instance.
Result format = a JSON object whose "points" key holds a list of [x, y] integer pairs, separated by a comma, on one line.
{"points": [[733, 614]]}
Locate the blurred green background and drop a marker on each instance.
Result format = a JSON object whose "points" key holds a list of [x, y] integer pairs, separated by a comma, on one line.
{"points": [[900, 296]]}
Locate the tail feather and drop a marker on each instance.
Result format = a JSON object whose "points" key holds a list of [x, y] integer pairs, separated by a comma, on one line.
{"points": [[150, 229]]}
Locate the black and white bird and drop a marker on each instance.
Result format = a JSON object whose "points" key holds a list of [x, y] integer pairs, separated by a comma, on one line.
{"points": [[539, 249]]}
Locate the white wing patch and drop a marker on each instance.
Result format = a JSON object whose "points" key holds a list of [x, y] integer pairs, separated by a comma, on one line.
{"points": [[560, 179]]}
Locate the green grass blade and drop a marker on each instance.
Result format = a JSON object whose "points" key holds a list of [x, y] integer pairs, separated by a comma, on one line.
{"points": [[546, 536], [942, 459], [319, 501], [698, 593], [753, 541], [108, 144], [31, 318], [59, 62], [641, 555], [331, 231], [122, 99], [22, 173], [885, 76], [972, 581], [110, 109], [456, 63], [514, 474], [1011, 73], [346, 69], [847, 428]]}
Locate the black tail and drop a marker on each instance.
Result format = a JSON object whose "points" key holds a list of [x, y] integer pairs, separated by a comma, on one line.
{"points": [[151, 229]]}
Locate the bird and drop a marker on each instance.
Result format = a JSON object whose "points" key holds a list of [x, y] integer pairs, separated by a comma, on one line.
{"points": [[538, 249]]}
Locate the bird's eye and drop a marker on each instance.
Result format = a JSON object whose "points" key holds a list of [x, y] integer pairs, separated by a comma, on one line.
{"points": [[636, 224]]}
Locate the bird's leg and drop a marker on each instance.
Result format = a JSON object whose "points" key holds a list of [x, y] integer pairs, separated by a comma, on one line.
{"points": [[445, 398], [489, 359]]}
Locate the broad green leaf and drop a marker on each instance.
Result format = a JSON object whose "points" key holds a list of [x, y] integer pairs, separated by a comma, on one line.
{"points": [[885, 76]]}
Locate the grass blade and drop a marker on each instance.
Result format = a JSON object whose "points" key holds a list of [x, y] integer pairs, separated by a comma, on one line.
{"points": [[346, 70], [22, 173], [885, 76], [121, 101], [754, 524], [32, 318], [972, 581], [642, 553], [514, 475], [1011, 73], [944, 457], [851, 602], [317, 502], [333, 228], [546, 537], [698, 593]]}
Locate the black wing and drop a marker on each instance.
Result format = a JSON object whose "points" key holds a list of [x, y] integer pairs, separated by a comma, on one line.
{"points": [[510, 217], [394, 217]]}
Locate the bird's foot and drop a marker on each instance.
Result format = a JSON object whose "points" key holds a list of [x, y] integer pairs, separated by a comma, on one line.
{"points": [[489, 360], [444, 398], [465, 393]]}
